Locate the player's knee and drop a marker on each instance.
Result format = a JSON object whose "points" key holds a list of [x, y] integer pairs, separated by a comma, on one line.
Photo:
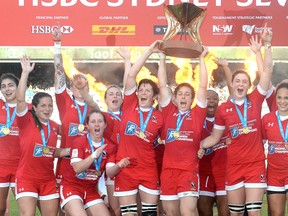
{"points": [[254, 206], [129, 209], [236, 208], [149, 209]]}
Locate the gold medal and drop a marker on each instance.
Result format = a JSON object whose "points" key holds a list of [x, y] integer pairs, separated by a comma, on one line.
{"points": [[286, 146], [81, 127], [98, 173], [246, 130], [6, 131], [159, 140], [176, 134], [141, 135], [46, 150]]}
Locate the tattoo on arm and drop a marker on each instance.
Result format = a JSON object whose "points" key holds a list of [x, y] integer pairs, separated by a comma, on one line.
{"points": [[60, 78]]}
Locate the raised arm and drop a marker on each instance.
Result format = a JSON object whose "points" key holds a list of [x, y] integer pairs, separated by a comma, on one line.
{"points": [[227, 71], [27, 68], [255, 46], [60, 79], [135, 69], [165, 92], [265, 77], [203, 77], [80, 83], [126, 55]]}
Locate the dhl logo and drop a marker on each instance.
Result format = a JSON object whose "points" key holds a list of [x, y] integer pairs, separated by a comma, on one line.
{"points": [[113, 29]]}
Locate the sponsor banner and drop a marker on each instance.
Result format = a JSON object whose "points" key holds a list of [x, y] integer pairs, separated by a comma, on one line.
{"points": [[135, 22]]}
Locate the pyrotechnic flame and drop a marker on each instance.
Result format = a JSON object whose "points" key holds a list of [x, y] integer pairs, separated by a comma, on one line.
{"points": [[145, 74], [97, 89]]}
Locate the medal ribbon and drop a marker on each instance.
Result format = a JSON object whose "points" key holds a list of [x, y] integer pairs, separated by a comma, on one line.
{"points": [[180, 120], [97, 161], [114, 115], [243, 118], [9, 121], [81, 115], [284, 135], [143, 126], [44, 140]]}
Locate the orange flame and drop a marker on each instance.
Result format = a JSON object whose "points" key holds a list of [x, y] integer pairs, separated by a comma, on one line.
{"points": [[145, 74], [97, 89]]}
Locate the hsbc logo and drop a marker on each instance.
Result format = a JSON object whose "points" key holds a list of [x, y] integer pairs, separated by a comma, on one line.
{"points": [[222, 29], [43, 29]]}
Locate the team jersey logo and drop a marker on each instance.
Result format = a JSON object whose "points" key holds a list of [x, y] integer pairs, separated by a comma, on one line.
{"points": [[130, 128], [170, 135], [234, 132], [81, 175], [38, 151], [73, 130], [2, 127], [208, 151], [271, 149]]}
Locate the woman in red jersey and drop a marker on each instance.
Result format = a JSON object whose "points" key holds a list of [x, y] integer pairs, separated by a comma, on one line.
{"points": [[35, 179], [91, 155], [181, 135], [9, 137], [245, 173], [275, 131], [140, 125]]}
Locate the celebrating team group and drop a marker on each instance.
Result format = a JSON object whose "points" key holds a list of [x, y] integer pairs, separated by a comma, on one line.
{"points": [[169, 159]]}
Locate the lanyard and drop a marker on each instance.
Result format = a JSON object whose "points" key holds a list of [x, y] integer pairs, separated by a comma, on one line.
{"points": [[81, 115], [97, 162], [114, 115], [144, 125], [243, 118], [180, 120], [9, 121], [283, 134], [44, 140]]}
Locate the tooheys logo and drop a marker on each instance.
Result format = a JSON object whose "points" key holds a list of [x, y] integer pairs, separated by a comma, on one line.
{"points": [[113, 29]]}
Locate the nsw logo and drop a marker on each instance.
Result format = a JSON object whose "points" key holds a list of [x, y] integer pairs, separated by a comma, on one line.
{"points": [[234, 132], [130, 128], [222, 29]]}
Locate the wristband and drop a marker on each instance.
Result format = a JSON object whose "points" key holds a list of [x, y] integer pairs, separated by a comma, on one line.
{"points": [[267, 46], [103, 196], [94, 154], [57, 47]]}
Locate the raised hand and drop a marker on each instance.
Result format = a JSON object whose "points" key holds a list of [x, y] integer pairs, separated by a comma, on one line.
{"points": [[57, 34], [255, 44], [124, 52], [26, 65], [79, 82]]}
